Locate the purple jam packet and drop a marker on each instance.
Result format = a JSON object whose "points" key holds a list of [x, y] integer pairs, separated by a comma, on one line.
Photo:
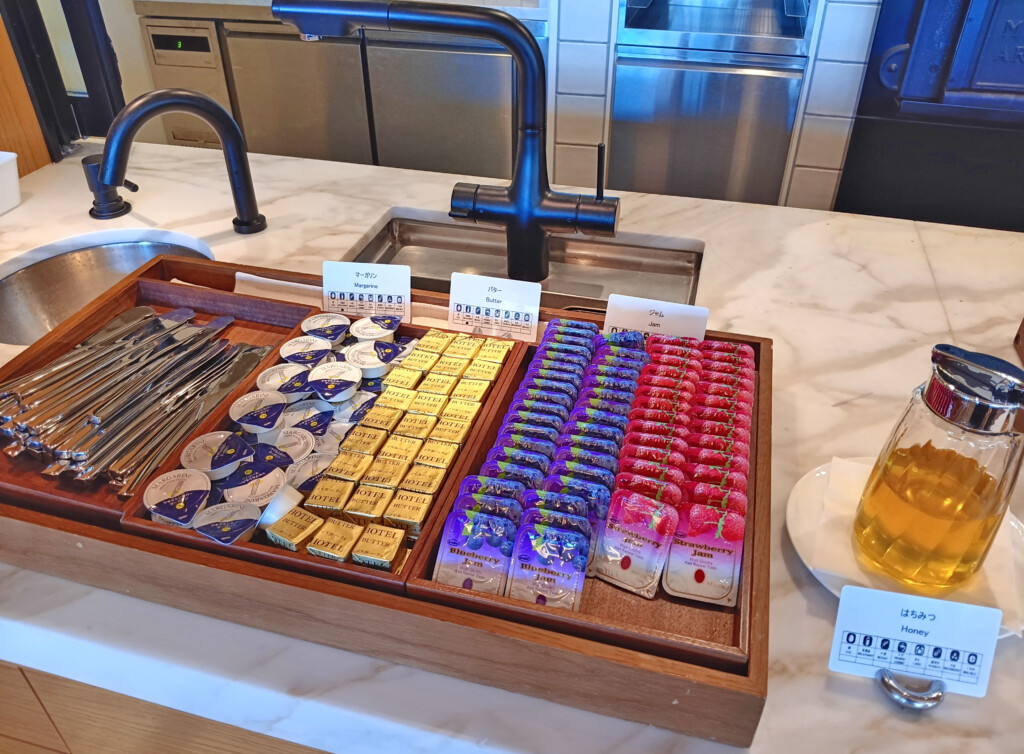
{"points": [[486, 485], [574, 332], [607, 394], [618, 373], [587, 414], [597, 495], [627, 338], [556, 386], [589, 457], [554, 347], [601, 404], [542, 407], [547, 396], [563, 338], [610, 383], [611, 360], [534, 417], [623, 352], [521, 442], [587, 473], [530, 430], [557, 366], [588, 442], [558, 520], [593, 429], [475, 552], [548, 352], [521, 457], [548, 567], [553, 374], [530, 478], [578, 324], [503, 507], [555, 501]]}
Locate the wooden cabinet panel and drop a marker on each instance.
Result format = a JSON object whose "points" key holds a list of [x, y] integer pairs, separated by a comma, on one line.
{"points": [[22, 717], [19, 127]]}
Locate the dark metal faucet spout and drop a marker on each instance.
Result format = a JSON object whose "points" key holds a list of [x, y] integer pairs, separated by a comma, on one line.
{"points": [[107, 174], [527, 208]]}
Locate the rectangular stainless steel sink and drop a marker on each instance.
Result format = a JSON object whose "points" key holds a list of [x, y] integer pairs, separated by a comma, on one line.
{"points": [[584, 269]]}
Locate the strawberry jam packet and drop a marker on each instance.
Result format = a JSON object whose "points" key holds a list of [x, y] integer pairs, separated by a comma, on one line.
{"points": [[475, 552], [635, 543], [705, 556], [548, 567]]}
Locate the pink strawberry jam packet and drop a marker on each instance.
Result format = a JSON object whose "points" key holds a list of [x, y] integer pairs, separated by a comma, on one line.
{"points": [[635, 543], [705, 555]]}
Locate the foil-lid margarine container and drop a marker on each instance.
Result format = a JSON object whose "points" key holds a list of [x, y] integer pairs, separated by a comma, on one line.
{"points": [[264, 486], [290, 380], [305, 474], [331, 440], [380, 327], [176, 497], [307, 350], [373, 358], [259, 412], [314, 416], [335, 382], [216, 454], [228, 523], [355, 407], [284, 447], [330, 326]]}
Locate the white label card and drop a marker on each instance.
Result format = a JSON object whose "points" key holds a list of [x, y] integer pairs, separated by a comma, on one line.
{"points": [[494, 306], [916, 636], [357, 289], [655, 317]]}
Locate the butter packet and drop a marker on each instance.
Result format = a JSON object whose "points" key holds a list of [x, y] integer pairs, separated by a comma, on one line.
{"points": [[475, 551], [492, 505], [635, 543], [548, 567], [705, 557]]}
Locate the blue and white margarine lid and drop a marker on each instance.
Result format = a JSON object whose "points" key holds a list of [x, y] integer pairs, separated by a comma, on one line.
{"points": [[314, 416], [307, 350], [216, 454], [304, 475], [285, 447], [228, 523], [378, 327], [176, 497], [290, 380], [373, 358], [335, 382], [331, 327], [259, 412]]}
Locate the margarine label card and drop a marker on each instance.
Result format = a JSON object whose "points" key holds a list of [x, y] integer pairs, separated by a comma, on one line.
{"points": [[915, 636], [356, 289], [494, 306]]}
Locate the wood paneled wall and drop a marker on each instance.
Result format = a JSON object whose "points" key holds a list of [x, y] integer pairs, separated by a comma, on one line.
{"points": [[19, 128]]}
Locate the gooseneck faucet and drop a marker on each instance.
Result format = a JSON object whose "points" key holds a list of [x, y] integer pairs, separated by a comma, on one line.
{"points": [[528, 208], [106, 174]]}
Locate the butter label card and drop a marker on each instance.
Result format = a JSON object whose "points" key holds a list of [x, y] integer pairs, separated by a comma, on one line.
{"points": [[655, 317], [916, 636], [356, 289], [494, 306]]}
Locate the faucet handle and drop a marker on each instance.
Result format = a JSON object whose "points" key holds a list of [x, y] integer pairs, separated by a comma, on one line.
{"points": [[600, 172], [133, 187]]}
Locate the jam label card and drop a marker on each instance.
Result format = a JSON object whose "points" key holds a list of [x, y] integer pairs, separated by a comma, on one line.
{"points": [[494, 306], [356, 289], [655, 317], [915, 636]]}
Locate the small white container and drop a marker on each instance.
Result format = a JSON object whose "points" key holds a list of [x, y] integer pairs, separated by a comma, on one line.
{"points": [[228, 523], [290, 380], [177, 497], [216, 454], [336, 382], [373, 358], [285, 447], [10, 192], [264, 486], [307, 350], [304, 475], [314, 416], [259, 412], [381, 328], [331, 327], [330, 441]]}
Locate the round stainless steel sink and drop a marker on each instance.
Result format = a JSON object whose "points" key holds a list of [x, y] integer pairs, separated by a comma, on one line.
{"points": [[37, 298]]}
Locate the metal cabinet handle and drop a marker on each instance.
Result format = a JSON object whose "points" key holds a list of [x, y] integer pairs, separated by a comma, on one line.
{"points": [[909, 699]]}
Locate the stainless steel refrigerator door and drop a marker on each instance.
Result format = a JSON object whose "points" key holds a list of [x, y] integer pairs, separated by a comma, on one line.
{"points": [[441, 107], [299, 99], [709, 125]]}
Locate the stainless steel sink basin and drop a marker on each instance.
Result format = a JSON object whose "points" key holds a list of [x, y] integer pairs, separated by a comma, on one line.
{"points": [[38, 297], [584, 270]]}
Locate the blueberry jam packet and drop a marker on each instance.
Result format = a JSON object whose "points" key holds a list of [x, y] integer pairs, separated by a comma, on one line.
{"points": [[475, 552], [548, 567]]}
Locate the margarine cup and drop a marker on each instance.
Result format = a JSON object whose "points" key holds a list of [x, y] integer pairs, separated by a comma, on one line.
{"points": [[313, 415], [265, 486], [216, 454], [380, 328], [373, 358], [307, 350], [259, 412], [177, 497], [329, 326], [228, 523], [284, 447], [304, 475], [290, 380], [336, 382]]}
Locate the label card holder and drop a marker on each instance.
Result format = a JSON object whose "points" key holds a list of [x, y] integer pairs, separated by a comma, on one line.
{"points": [[494, 306], [357, 289], [655, 317], [915, 636]]}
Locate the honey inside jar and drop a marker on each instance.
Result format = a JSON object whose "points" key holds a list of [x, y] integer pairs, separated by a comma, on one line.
{"points": [[928, 516]]}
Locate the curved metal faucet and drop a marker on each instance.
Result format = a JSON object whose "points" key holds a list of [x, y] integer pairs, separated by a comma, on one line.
{"points": [[528, 208], [106, 174]]}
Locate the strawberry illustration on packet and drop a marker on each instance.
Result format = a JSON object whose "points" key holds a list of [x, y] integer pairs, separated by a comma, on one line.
{"points": [[705, 556]]}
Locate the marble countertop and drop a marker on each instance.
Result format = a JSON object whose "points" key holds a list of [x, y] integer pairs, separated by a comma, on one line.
{"points": [[853, 304]]}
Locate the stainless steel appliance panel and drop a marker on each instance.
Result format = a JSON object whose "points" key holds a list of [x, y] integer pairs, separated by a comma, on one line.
{"points": [[296, 98], [709, 125], [439, 106]]}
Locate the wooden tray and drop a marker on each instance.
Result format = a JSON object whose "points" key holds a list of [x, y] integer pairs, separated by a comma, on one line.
{"points": [[259, 550], [713, 636], [257, 322], [615, 667]]}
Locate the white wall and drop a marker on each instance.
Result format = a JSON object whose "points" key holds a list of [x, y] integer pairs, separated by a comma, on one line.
{"points": [[126, 37]]}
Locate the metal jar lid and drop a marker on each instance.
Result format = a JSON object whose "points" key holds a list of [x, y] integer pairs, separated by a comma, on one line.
{"points": [[975, 391]]}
